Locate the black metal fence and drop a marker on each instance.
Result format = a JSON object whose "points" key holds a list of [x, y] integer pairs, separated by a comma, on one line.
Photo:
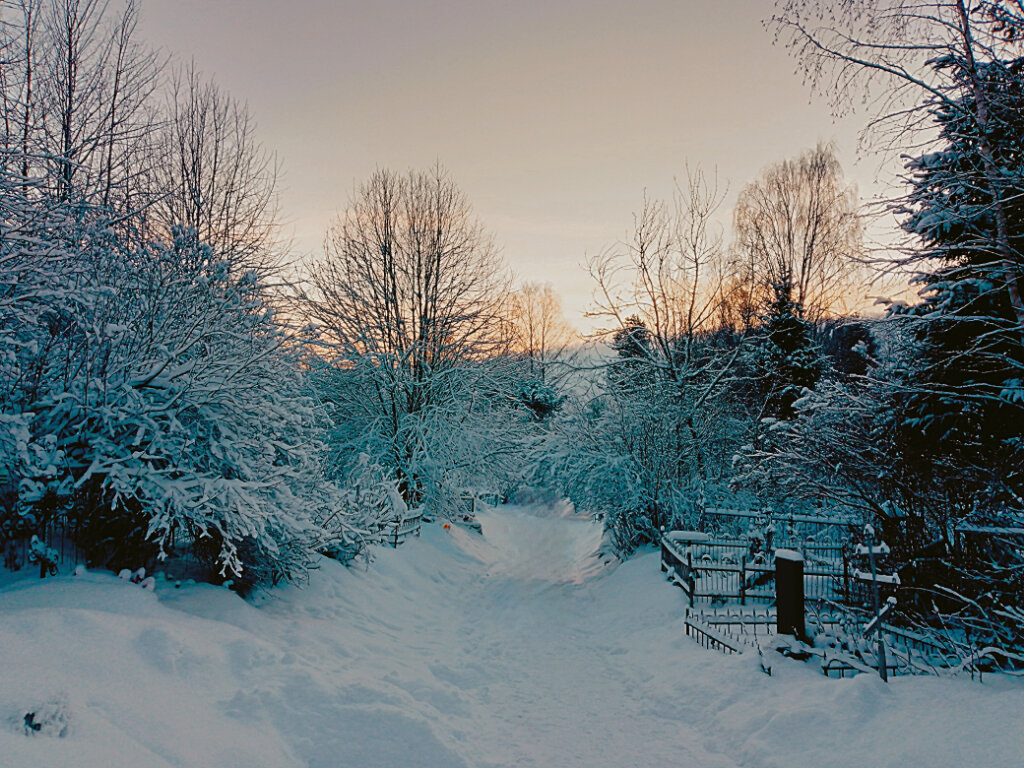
{"points": [[734, 570], [778, 529], [727, 572], [56, 534], [396, 531]]}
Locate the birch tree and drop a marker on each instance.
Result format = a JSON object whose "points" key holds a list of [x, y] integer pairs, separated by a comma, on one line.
{"points": [[797, 226]]}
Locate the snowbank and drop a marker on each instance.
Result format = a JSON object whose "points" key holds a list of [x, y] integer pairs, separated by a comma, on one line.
{"points": [[518, 648]]}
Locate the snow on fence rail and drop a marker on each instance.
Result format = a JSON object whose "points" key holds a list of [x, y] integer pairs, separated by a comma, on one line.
{"points": [[733, 630], [398, 530], [739, 631], [721, 575], [785, 527], [908, 652], [709, 636], [845, 647], [734, 570]]}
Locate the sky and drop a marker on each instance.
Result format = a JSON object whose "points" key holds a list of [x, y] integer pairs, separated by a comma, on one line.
{"points": [[553, 117]]}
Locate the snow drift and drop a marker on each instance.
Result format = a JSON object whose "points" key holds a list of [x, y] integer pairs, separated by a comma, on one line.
{"points": [[514, 648]]}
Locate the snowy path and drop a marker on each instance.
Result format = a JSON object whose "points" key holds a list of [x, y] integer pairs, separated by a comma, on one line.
{"points": [[517, 648]]}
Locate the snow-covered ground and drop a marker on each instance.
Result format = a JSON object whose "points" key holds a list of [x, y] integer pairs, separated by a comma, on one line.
{"points": [[517, 648]]}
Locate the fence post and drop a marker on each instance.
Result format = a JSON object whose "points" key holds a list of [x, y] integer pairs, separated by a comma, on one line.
{"points": [[789, 593], [691, 581], [846, 576], [882, 671], [743, 579]]}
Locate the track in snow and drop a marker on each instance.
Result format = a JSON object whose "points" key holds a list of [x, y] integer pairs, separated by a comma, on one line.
{"points": [[514, 649], [549, 544]]}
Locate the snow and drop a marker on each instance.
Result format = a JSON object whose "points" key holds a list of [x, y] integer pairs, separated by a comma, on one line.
{"points": [[685, 537], [521, 647], [789, 554]]}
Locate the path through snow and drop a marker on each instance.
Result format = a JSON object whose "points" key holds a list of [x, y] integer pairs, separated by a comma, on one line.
{"points": [[515, 648]]}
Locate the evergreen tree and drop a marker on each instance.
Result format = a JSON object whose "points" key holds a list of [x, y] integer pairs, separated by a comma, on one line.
{"points": [[632, 345], [540, 399], [964, 406], [787, 360]]}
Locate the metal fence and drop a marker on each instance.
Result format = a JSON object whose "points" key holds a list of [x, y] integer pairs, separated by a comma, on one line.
{"points": [[396, 531], [732, 631], [785, 529], [724, 570], [727, 572], [739, 630], [56, 534]]}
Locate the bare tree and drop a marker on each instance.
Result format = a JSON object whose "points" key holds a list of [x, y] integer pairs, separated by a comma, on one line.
{"points": [[411, 293], [911, 60], [797, 225], [88, 89], [214, 176], [78, 99], [17, 80], [652, 437], [671, 276], [540, 330]]}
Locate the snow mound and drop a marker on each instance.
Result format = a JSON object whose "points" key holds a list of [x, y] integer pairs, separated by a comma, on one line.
{"points": [[455, 650], [548, 543]]}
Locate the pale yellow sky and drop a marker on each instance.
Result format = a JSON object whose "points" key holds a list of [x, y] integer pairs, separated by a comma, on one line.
{"points": [[552, 116]]}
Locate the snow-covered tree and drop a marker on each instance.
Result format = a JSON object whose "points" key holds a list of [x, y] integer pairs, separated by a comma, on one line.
{"points": [[643, 445], [38, 294], [153, 393], [965, 389], [940, 419], [784, 358], [177, 400], [913, 60], [191, 410], [411, 296], [951, 79]]}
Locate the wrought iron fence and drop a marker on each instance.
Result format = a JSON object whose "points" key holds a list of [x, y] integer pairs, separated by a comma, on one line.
{"points": [[398, 530], [727, 570], [56, 534], [786, 529]]}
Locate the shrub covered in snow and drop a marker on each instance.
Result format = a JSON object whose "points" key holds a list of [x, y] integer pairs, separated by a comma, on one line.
{"points": [[152, 394]]}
